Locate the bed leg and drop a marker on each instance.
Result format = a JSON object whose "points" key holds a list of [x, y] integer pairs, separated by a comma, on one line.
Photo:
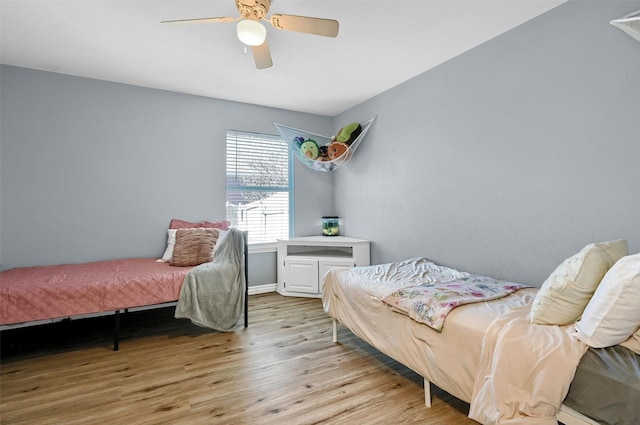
{"points": [[335, 330], [246, 312], [427, 392], [116, 331], [245, 237]]}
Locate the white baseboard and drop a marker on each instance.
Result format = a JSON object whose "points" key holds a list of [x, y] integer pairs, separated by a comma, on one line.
{"points": [[262, 289]]}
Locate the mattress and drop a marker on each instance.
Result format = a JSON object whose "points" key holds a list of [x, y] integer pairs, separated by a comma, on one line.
{"points": [[606, 386], [49, 292]]}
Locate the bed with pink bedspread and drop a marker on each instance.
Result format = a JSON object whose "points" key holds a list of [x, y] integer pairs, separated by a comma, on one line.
{"points": [[32, 294], [45, 294]]}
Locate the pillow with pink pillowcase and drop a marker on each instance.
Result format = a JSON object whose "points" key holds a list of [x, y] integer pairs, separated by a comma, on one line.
{"points": [[182, 224]]}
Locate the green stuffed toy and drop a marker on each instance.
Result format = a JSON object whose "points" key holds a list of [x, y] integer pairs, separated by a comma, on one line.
{"points": [[348, 133], [310, 149]]}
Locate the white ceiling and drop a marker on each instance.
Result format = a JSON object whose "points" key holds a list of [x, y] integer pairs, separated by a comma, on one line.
{"points": [[380, 45]]}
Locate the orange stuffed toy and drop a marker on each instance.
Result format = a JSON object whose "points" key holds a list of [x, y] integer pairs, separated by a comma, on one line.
{"points": [[336, 149]]}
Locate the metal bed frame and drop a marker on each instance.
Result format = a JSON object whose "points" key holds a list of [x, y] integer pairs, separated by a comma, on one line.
{"points": [[117, 313]]}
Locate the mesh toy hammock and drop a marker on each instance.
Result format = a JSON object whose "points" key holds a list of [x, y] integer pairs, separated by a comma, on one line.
{"points": [[293, 135]]}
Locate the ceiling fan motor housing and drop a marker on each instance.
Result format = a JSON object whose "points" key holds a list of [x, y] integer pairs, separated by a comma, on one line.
{"points": [[253, 9]]}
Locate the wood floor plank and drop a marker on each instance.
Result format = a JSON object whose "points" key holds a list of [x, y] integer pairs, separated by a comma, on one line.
{"points": [[283, 369]]}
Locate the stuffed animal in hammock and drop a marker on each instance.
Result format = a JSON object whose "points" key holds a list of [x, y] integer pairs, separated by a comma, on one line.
{"points": [[348, 133], [336, 149], [323, 154], [310, 149]]}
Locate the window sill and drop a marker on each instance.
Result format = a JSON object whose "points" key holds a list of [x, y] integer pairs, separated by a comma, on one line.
{"points": [[260, 248]]}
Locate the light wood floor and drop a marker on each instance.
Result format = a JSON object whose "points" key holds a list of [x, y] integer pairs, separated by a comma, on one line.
{"points": [[283, 369]]}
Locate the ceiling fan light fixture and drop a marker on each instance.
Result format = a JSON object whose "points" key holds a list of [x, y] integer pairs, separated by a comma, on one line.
{"points": [[251, 33]]}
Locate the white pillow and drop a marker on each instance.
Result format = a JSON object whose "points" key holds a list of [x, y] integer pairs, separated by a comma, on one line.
{"points": [[613, 314], [171, 243], [566, 292]]}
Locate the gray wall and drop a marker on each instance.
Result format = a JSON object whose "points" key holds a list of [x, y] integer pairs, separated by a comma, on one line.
{"points": [[509, 158], [93, 170], [502, 161]]}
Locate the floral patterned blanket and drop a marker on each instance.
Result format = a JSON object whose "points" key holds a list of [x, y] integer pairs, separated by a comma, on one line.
{"points": [[430, 303]]}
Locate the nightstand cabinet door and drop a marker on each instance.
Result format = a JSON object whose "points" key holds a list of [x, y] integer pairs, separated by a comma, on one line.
{"points": [[301, 275]]}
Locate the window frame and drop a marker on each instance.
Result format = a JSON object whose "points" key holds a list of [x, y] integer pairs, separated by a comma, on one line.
{"points": [[231, 135]]}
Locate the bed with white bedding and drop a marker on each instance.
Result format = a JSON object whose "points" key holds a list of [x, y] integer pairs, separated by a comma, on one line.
{"points": [[487, 352]]}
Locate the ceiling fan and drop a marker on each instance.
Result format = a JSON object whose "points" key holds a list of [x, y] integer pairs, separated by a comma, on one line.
{"points": [[252, 33]]}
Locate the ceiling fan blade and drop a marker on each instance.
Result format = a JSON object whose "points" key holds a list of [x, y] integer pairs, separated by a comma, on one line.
{"points": [[201, 20], [306, 24], [262, 56]]}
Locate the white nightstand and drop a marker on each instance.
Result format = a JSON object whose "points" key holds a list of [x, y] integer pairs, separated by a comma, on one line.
{"points": [[302, 262]]}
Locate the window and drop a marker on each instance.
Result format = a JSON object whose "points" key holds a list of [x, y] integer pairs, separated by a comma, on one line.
{"points": [[259, 185]]}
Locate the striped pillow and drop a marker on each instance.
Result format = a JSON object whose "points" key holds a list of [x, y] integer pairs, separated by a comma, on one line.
{"points": [[194, 246]]}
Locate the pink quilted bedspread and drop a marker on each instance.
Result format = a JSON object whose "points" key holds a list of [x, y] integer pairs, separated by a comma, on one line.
{"points": [[36, 293]]}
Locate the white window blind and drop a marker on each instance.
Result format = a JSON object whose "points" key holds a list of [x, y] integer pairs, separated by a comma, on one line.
{"points": [[259, 185]]}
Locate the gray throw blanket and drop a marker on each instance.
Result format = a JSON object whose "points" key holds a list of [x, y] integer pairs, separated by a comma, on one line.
{"points": [[212, 294]]}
